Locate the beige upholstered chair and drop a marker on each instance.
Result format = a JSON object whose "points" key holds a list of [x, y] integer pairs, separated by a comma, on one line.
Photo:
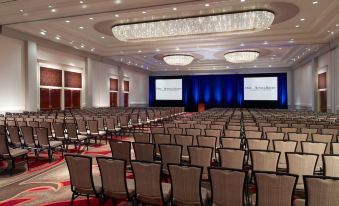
{"points": [[11, 154], [207, 141], [287, 130], [335, 148], [331, 165], [184, 141], [94, 131], [45, 143], [214, 133], [142, 137], [170, 154], [234, 127], [229, 142], [158, 130], [309, 132], [168, 125], [283, 147], [318, 148], [201, 156], [274, 136], [274, 188], [257, 144], [264, 160], [121, 150], [232, 133], [266, 130], [47, 125], [143, 151], [148, 186], [325, 138], [227, 186], [83, 183], [194, 132], [253, 134], [301, 164], [160, 139], [74, 137], [251, 128], [113, 179], [186, 185], [14, 136], [232, 158], [298, 137]]}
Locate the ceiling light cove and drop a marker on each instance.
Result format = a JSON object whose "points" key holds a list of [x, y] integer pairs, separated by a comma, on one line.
{"points": [[239, 57], [178, 59], [229, 23]]}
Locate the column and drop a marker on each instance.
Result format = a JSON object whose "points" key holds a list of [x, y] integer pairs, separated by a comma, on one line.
{"points": [[32, 92]]}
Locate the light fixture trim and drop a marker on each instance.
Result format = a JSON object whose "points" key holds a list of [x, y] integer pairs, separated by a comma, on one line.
{"points": [[178, 59], [219, 23], [242, 56]]}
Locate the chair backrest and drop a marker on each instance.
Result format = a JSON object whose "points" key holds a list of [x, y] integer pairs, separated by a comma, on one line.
{"points": [[309, 132], [213, 133], [264, 160], [335, 148], [59, 129], [333, 132], [142, 137], [207, 141], [93, 126], [47, 125], [274, 136], [331, 165], [253, 134], [14, 135], [27, 133], [101, 125], [232, 158], [4, 150], [321, 190], [301, 164], [228, 186], [201, 156], [194, 132], [287, 130], [229, 142], [232, 133], [147, 182], [257, 144], [113, 177], [298, 137], [170, 154], [269, 129], [157, 130], [325, 138], [251, 128], [233, 127], [161, 139], [71, 130], [121, 150], [42, 135], [81, 125], [275, 188], [184, 141], [186, 184], [283, 147], [143, 151], [318, 148]]}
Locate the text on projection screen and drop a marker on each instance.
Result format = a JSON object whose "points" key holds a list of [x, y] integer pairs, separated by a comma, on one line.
{"points": [[168, 89], [261, 88]]}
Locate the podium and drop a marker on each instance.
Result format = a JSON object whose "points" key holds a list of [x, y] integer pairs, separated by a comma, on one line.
{"points": [[201, 107]]}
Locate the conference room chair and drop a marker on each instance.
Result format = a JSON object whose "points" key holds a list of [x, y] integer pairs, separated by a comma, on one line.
{"points": [[75, 138], [264, 124], [201, 126], [319, 127], [115, 185], [121, 150], [287, 130], [143, 120], [231, 142], [194, 132], [331, 165], [143, 151], [3, 130], [251, 128], [48, 126], [184, 126], [83, 183], [332, 131], [170, 154], [228, 186], [274, 136], [234, 123], [283, 146], [301, 164], [232, 158], [325, 138], [309, 132], [59, 132], [257, 144], [298, 137], [81, 126], [253, 134], [142, 137], [181, 176], [266, 130], [320, 190], [14, 136], [112, 126], [10, 123], [160, 139], [174, 131], [234, 127], [46, 144], [318, 148], [184, 141], [6, 153], [29, 141], [94, 132], [201, 156], [34, 125], [207, 141], [148, 186], [299, 126], [158, 130], [274, 188], [21, 124], [232, 133], [335, 148], [264, 160], [218, 127]]}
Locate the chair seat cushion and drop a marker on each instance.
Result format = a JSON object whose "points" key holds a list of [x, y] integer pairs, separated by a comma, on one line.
{"points": [[166, 190], [53, 144], [18, 152]]}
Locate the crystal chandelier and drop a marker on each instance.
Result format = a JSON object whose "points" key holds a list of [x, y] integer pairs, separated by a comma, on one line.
{"points": [[178, 59], [229, 23], [238, 57]]}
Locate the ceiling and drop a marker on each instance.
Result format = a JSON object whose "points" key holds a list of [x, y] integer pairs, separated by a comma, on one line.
{"points": [[300, 29]]}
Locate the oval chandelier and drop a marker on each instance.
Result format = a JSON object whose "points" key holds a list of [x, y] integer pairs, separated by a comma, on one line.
{"points": [[224, 23], [238, 57], [178, 59]]}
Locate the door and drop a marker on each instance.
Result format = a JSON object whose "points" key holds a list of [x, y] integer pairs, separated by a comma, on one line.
{"points": [[113, 99], [125, 99], [323, 101]]}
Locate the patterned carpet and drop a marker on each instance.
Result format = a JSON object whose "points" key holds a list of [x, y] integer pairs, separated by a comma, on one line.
{"points": [[45, 183]]}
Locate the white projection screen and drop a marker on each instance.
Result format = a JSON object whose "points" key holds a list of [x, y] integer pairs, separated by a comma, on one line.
{"points": [[261, 88], [168, 89]]}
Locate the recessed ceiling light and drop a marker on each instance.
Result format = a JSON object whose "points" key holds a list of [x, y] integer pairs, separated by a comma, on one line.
{"points": [[177, 69], [144, 12], [116, 15], [332, 32], [81, 2], [84, 6], [57, 38], [53, 10], [102, 37], [297, 26], [269, 28], [43, 33], [67, 21], [242, 44], [315, 2], [255, 66], [50, 6], [139, 51], [117, 1], [82, 46], [81, 27], [242, 0], [269, 65], [265, 42], [177, 49], [207, 4], [302, 19], [21, 10], [92, 50], [157, 50], [91, 18], [337, 25], [280, 48], [174, 9]]}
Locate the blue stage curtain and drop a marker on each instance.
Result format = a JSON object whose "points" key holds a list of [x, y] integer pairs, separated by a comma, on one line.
{"points": [[218, 91]]}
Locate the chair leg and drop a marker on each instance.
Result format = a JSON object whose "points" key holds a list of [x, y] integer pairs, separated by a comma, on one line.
{"points": [[13, 167], [27, 162], [88, 203], [72, 199]]}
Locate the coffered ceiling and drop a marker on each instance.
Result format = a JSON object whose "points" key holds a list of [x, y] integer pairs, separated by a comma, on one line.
{"points": [[300, 29]]}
